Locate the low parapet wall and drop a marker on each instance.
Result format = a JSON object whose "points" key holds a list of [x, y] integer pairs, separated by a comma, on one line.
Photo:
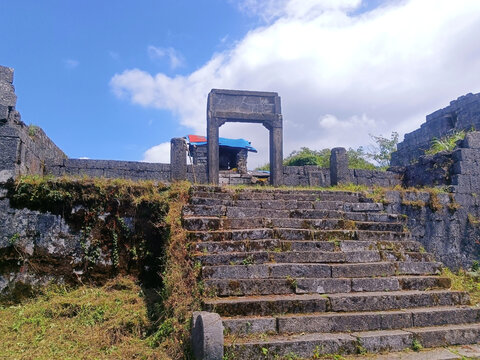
{"points": [[110, 169]]}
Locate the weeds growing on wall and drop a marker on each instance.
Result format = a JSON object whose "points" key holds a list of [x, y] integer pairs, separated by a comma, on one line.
{"points": [[122, 223], [446, 143], [181, 293], [468, 281], [136, 225]]}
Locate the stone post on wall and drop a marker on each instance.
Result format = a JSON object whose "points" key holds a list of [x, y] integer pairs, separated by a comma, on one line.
{"points": [[339, 173], [178, 159]]}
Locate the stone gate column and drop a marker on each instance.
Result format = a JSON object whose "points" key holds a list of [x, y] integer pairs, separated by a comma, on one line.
{"points": [[339, 173], [276, 156], [212, 151], [178, 159]]}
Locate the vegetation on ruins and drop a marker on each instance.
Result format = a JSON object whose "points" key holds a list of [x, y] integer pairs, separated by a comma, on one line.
{"points": [[381, 153], [357, 158], [145, 311], [446, 143]]}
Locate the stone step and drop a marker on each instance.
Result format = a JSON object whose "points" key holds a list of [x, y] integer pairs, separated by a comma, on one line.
{"points": [[357, 321], [436, 336], [215, 223], [283, 270], [314, 345], [343, 196], [278, 245], [342, 302], [269, 204], [252, 212], [297, 234], [262, 257], [249, 287]]}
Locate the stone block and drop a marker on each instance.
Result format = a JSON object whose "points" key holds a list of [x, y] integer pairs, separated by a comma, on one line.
{"points": [[250, 325], [442, 316], [472, 140], [6, 74], [7, 94], [363, 270], [3, 113], [380, 341], [322, 286], [472, 155], [375, 284], [447, 335]]}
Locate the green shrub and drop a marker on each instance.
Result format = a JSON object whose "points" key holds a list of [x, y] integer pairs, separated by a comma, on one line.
{"points": [[446, 143]]}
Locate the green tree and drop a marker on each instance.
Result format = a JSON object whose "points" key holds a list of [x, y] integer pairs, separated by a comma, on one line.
{"points": [[356, 160], [306, 156], [381, 153], [321, 158]]}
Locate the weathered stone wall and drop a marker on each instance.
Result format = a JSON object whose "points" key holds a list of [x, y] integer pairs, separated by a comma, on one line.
{"points": [[446, 224], [23, 149], [80, 231], [458, 169], [461, 114], [110, 169], [310, 175], [25, 234]]}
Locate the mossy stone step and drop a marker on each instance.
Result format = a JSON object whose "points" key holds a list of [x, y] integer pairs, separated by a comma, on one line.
{"points": [[312, 256], [290, 285], [280, 195], [316, 344], [297, 234], [355, 321], [272, 212], [342, 302], [278, 245], [215, 223]]}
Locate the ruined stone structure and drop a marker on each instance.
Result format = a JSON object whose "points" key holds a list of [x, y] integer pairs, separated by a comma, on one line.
{"points": [[247, 107], [27, 150], [23, 149], [461, 114], [363, 272]]}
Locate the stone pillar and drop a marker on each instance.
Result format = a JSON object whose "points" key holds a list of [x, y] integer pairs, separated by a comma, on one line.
{"points": [[178, 159], [339, 173], [212, 151], [276, 155], [207, 336], [8, 98]]}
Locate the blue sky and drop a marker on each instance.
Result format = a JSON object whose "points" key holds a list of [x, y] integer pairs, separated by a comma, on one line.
{"points": [[116, 79]]}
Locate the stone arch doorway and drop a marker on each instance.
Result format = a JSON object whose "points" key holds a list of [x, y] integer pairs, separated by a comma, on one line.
{"points": [[247, 107]]}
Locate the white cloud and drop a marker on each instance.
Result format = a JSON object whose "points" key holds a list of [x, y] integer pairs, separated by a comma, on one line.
{"points": [[174, 57], [71, 63], [340, 77], [158, 154]]}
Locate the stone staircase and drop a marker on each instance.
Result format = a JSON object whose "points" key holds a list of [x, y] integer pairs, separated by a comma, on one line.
{"points": [[306, 273]]}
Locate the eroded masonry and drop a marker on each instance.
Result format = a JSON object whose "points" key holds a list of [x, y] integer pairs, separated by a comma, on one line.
{"points": [[449, 230]]}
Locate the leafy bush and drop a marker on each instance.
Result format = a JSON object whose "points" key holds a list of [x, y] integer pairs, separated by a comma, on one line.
{"points": [[306, 156]]}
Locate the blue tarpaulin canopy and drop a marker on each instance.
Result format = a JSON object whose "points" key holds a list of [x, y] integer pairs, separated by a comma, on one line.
{"points": [[233, 143]]}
